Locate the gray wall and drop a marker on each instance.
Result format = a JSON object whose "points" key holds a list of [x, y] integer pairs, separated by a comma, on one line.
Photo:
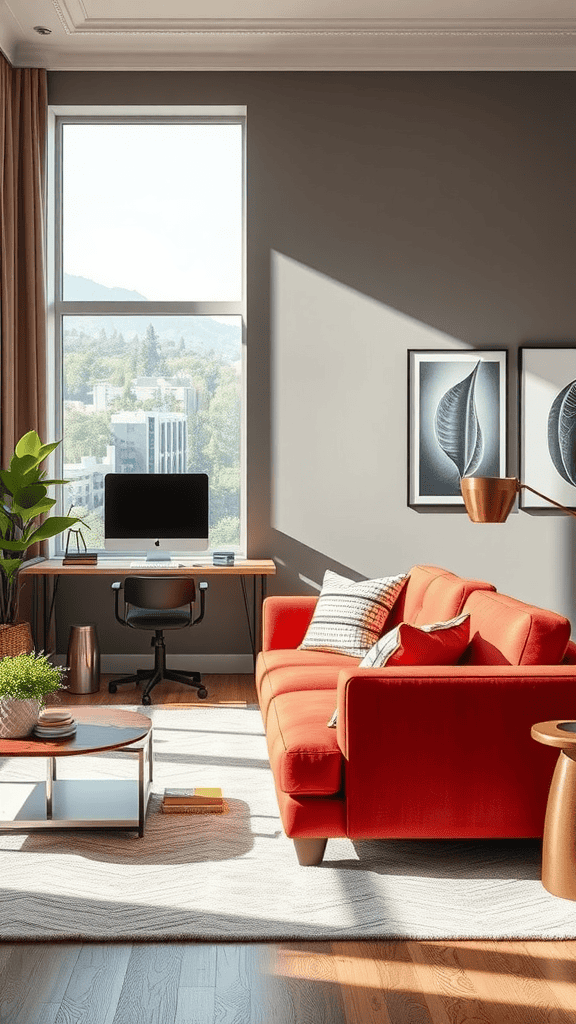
{"points": [[386, 211]]}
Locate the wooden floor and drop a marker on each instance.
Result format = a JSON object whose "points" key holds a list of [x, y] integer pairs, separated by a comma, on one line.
{"points": [[283, 983]]}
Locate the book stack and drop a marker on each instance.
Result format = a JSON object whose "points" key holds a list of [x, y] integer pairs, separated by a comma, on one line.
{"points": [[80, 558], [54, 725], [201, 800]]}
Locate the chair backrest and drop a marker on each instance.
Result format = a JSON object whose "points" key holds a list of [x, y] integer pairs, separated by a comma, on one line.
{"points": [[159, 591]]}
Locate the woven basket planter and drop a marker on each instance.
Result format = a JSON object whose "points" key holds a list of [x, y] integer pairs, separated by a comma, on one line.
{"points": [[17, 717], [15, 639]]}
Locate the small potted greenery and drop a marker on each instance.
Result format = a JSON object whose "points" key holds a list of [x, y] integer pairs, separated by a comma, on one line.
{"points": [[24, 520], [25, 682]]}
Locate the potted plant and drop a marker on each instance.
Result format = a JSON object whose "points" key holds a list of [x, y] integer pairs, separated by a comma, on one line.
{"points": [[24, 506], [25, 681]]}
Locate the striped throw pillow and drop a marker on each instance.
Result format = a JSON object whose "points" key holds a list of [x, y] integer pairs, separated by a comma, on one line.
{"points": [[350, 616]]}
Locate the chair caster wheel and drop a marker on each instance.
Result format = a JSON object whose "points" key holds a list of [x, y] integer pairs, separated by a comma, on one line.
{"points": [[146, 698], [202, 693], [112, 688]]}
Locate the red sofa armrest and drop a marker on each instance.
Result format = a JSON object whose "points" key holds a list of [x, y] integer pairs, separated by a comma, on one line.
{"points": [[447, 752], [285, 620]]}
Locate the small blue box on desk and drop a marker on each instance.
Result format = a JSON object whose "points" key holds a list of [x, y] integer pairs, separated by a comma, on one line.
{"points": [[223, 558]]}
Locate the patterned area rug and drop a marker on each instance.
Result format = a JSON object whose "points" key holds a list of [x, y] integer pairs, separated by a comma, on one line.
{"points": [[236, 877]]}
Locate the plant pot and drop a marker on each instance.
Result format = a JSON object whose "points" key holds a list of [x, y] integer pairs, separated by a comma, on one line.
{"points": [[15, 638], [17, 717]]}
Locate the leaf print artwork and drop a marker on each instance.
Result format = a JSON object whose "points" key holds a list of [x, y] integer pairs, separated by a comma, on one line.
{"points": [[457, 427], [562, 433], [457, 421]]}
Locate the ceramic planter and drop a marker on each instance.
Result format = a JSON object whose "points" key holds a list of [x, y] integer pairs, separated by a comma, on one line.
{"points": [[17, 717]]}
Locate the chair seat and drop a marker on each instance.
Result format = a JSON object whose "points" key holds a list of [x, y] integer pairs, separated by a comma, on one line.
{"points": [[157, 618]]}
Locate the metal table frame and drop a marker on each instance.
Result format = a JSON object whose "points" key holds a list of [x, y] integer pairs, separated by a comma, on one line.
{"points": [[74, 793]]}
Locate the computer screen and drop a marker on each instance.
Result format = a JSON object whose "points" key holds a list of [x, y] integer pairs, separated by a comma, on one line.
{"points": [[156, 512]]}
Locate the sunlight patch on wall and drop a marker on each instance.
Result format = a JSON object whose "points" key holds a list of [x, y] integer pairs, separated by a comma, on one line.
{"points": [[339, 411]]}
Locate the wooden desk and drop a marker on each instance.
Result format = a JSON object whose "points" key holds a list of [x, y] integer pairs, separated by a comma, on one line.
{"points": [[51, 568]]}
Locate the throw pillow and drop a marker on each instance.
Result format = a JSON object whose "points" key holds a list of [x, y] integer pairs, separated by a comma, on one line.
{"points": [[440, 643], [350, 616]]}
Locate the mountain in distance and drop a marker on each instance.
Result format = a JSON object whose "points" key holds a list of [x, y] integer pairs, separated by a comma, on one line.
{"points": [[82, 289], [200, 333]]}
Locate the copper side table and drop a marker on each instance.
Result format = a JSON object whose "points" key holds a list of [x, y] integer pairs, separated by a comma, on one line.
{"points": [[81, 803], [559, 838]]}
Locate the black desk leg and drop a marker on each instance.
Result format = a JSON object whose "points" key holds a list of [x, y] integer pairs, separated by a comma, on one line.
{"points": [[254, 620], [249, 618], [48, 585]]}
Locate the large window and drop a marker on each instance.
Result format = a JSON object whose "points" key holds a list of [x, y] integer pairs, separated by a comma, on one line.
{"points": [[147, 294]]}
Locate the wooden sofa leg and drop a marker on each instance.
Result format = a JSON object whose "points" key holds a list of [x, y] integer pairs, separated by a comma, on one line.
{"points": [[309, 851]]}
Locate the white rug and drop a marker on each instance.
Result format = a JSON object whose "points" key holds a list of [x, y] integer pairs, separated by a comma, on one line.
{"points": [[236, 877]]}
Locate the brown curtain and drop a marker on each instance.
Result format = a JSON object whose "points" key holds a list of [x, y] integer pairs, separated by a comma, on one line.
{"points": [[23, 117]]}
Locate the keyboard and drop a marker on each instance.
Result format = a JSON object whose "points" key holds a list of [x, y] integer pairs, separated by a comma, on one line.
{"points": [[174, 563]]}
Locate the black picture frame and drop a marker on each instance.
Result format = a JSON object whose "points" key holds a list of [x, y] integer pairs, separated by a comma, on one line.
{"points": [[457, 421]]}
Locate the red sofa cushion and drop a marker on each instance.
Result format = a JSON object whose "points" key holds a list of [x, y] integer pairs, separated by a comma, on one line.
{"points": [[504, 631], [304, 753], [285, 619], [433, 595], [289, 671]]}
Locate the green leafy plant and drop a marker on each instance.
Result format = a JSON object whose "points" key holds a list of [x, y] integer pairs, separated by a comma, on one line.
{"points": [[29, 677], [24, 502]]}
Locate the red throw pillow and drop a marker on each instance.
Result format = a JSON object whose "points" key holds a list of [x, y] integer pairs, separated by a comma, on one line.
{"points": [[441, 643]]}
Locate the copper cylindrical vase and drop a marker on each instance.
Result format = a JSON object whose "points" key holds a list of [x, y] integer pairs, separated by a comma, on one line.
{"points": [[83, 660]]}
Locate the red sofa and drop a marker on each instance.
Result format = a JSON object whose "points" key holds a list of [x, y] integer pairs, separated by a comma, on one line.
{"points": [[418, 752]]}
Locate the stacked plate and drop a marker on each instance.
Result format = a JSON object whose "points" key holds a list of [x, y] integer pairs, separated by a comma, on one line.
{"points": [[54, 725]]}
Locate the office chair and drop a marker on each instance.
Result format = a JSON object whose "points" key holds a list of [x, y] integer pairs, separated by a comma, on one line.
{"points": [[158, 603]]}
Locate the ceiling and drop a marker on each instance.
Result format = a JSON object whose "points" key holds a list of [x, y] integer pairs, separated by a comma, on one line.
{"points": [[260, 35]]}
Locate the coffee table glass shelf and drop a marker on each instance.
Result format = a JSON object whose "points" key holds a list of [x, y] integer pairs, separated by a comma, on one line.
{"points": [[81, 803]]}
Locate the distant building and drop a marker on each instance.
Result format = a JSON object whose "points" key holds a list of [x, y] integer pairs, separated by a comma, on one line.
{"points": [[103, 395], [149, 388], [86, 480], [178, 388], [149, 442]]}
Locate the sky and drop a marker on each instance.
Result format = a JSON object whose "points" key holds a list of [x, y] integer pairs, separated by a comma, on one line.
{"points": [[155, 209]]}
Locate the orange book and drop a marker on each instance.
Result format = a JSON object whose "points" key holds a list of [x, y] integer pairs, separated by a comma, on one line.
{"points": [[195, 808]]}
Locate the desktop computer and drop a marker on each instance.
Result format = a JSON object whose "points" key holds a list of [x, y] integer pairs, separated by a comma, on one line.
{"points": [[157, 513]]}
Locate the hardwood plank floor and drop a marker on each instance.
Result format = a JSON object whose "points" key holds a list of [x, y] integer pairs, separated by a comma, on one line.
{"points": [[290, 983], [481, 982], [229, 690]]}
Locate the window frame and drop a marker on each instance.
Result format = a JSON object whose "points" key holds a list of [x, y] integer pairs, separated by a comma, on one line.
{"points": [[57, 307]]}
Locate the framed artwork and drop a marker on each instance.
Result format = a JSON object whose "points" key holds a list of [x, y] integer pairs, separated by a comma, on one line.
{"points": [[548, 426], [457, 421]]}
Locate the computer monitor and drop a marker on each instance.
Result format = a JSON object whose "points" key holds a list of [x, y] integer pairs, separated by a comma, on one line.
{"points": [[156, 512]]}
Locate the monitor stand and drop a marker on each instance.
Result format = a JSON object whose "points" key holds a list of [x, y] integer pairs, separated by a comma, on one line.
{"points": [[158, 556]]}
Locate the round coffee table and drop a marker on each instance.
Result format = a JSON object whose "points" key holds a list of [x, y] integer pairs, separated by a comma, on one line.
{"points": [[81, 803], [559, 838]]}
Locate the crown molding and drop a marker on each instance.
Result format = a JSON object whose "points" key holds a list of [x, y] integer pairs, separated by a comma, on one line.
{"points": [[76, 21], [310, 50], [81, 43]]}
